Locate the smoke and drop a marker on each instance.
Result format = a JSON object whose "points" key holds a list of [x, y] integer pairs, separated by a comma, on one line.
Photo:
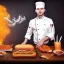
{"points": [[5, 22]]}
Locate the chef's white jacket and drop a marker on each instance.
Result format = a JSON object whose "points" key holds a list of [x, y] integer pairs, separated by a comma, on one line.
{"points": [[40, 28]]}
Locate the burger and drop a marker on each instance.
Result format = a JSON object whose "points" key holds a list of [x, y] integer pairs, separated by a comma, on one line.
{"points": [[24, 50]]}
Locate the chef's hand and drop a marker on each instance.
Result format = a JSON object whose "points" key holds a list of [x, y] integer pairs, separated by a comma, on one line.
{"points": [[42, 41], [39, 44], [23, 43]]}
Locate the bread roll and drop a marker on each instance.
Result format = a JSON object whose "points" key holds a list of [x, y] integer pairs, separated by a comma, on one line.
{"points": [[24, 47]]}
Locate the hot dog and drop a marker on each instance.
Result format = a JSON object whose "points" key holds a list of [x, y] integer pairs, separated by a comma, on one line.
{"points": [[26, 50], [24, 54], [45, 48]]}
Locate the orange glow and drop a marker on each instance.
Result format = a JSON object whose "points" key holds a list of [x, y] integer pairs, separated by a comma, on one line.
{"points": [[4, 29]]}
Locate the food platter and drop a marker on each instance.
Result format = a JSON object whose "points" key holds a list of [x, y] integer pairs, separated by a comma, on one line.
{"points": [[6, 47], [58, 52]]}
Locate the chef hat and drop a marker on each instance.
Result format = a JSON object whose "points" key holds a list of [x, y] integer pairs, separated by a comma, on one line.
{"points": [[40, 5]]}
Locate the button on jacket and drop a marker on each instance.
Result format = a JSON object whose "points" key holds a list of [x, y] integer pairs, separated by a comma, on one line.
{"points": [[40, 29]]}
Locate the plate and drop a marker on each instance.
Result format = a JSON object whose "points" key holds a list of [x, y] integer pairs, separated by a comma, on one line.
{"points": [[2, 53], [6, 50], [58, 52]]}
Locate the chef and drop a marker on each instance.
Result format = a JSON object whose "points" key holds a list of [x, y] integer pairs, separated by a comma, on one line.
{"points": [[41, 27]]}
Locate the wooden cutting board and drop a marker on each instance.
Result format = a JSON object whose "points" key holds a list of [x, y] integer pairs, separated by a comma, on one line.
{"points": [[46, 55]]}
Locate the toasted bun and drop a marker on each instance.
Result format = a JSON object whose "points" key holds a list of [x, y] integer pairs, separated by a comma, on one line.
{"points": [[24, 47]]}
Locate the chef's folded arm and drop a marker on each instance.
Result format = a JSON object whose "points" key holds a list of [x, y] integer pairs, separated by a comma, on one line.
{"points": [[29, 32], [51, 31]]}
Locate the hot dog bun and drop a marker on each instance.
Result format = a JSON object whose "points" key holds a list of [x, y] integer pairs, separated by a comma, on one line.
{"points": [[24, 54], [24, 47]]}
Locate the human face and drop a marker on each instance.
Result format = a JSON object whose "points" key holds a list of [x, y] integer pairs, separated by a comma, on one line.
{"points": [[40, 11]]}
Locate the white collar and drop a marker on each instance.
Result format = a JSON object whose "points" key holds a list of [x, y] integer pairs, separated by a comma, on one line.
{"points": [[39, 18]]}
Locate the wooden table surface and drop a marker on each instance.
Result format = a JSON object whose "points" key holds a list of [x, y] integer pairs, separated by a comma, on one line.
{"points": [[8, 57]]}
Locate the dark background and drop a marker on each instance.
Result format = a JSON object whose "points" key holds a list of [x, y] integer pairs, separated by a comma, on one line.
{"points": [[54, 10]]}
